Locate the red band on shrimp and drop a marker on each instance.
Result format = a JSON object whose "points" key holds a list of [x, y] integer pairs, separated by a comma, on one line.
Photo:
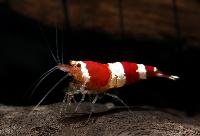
{"points": [[99, 74], [151, 71], [130, 71]]}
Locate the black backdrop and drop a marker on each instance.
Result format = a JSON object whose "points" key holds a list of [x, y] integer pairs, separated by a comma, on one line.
{"points": [[25, 56]]}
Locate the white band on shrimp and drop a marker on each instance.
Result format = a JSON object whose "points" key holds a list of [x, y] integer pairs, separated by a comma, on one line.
{"points": [[142, 71], [84, 70], [118, 78], [155, 69]]}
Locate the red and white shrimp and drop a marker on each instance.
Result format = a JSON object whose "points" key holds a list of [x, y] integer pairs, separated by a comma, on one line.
{"points": [[95, 78]]}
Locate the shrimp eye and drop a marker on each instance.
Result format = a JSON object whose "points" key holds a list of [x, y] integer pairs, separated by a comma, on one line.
{"points": [[78, 65]]}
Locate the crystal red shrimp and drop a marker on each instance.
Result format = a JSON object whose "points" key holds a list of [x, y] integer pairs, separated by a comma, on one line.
{"points": [[93, 77]]}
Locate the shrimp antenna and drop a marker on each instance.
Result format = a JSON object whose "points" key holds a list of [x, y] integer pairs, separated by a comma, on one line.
{"points": [[62, 61], [50, 91], [41, 78], [48, 45], [57, 51]]}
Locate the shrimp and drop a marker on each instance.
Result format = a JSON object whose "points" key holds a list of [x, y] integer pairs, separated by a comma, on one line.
{"points": [[91, 77]]}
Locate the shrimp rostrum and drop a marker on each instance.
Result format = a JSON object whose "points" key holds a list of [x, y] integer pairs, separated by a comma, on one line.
{"points": [[91, 77]]}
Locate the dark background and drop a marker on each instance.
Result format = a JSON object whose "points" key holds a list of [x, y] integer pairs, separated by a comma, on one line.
{"points": [[25, 56]]}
